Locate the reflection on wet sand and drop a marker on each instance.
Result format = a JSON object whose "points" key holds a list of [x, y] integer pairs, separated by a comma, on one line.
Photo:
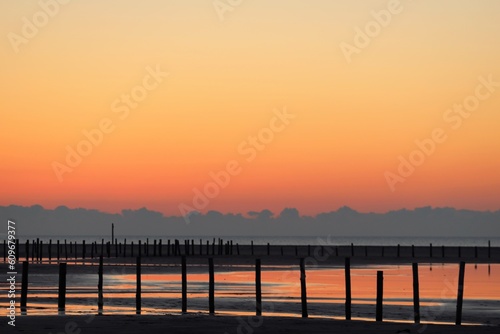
{"points": [[235, 292]]}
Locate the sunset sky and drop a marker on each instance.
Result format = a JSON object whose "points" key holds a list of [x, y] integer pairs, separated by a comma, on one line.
{"points": [[229, 74]]}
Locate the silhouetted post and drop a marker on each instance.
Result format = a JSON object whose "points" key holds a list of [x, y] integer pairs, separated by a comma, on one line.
{"points": [[399, 250], [208, 247], [40, 256], [50, 250], [132, 249], [100, 297], [258, 289], [112, 232], [412, 250], [154, 247], [66, 249], [352, 249], [124, 247], [27, 250], [460, 295], [430, 250], [211, 286], [303, 289], [475, 252], [83, 249], [238, 248], [140, 250], [24, 287], [416, 294], [4, 250], [489, 249], [184, 285], [442, 251], [62, 287], [138, 287], [268, 249], [168, 247], [147, 247], [347, 288], [160, 246], [116, 248], [380, 294], [192, 247], [33, 250], [201, 247], [252, 247]]}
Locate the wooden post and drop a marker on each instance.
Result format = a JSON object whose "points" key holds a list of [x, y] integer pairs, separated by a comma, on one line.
{"points": [[27, 250], [160, 246], [430, 250], [184, 285], [192, 247], [132, 249], [154, 247], [83, 249], [24, 287], [208, 247], [238, 248], [347, 288], [489, 249], [138, 287], [140, 250], [40, 256], [100, 297], [442, 251], [168, 247], [201, 247], [50, 250], [62, 287], [258, 289], [211, 286], [33, 249], [460, 295], [416, 294], [124, 247], [116, 248], [268, 249], [399, 250], [303, 289], [108, 249], [66, 249], [380, 294], [112, 232]]}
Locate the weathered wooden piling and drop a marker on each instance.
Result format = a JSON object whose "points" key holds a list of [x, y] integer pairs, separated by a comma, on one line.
{"points": [[303, 288], [100, 296], [211, 286], [138, 286], [61, 304], [416, 294], [380, 296], [184, 285], [258, 288], [24, 287], [347, 288], [460, 294]]}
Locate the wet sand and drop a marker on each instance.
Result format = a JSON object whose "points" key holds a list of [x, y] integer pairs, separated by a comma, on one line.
{"points": [[220, 325]]}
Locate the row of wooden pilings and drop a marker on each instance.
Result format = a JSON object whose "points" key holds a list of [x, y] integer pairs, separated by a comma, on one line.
{"points": [[258, 289], [65, 251]]}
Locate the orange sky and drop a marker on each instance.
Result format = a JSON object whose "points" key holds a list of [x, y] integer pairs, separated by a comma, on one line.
{"points": [[226, 81]]}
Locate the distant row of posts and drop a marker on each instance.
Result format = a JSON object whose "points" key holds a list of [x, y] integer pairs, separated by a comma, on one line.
{"points": [[258, 289]]}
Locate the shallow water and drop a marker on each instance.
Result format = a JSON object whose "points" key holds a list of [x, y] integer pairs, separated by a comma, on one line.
{"points": [[235, 291]]}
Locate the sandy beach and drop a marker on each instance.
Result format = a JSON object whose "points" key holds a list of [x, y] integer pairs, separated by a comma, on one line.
{"points": [[221, 325]]}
